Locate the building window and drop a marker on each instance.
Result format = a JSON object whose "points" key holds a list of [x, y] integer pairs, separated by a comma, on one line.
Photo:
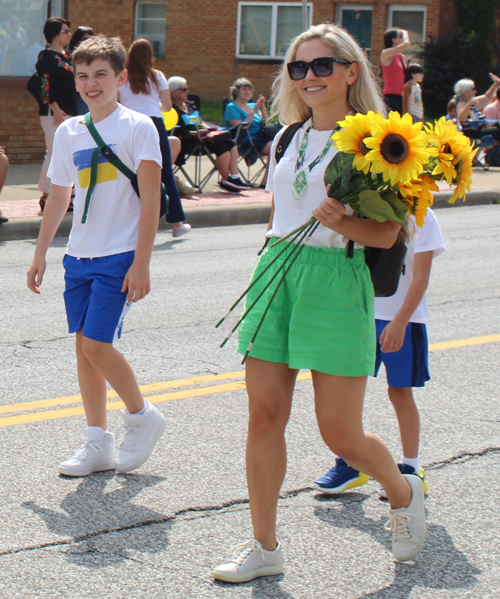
{"points": [[357, 19], [151, 24], [265, 29], [21, 34], [412, 18]]}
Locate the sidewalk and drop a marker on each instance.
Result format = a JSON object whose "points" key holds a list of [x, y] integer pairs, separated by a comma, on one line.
{"points": [[213, 207]]}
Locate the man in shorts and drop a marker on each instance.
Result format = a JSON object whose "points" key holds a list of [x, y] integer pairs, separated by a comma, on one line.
{"points": [[108, 253]]}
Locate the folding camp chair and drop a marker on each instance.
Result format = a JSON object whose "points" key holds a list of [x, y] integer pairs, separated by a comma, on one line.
{"points": [[248, 154]]}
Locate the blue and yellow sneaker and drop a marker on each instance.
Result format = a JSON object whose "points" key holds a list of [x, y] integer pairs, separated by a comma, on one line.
{"points": [[406, 469], [340, 478]]}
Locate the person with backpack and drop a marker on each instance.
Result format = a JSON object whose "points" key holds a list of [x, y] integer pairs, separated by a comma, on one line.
{"points": [[58, 92], [402, 346], [321, 317]]}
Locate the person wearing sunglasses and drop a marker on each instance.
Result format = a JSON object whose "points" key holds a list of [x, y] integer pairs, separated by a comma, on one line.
{"points": [[321, 317], [392, 65], [469, 104], [58, 91]]}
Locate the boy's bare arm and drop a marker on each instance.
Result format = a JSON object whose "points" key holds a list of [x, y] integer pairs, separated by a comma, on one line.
{"points": [[392, 336], [55, 209], [137, 278]]}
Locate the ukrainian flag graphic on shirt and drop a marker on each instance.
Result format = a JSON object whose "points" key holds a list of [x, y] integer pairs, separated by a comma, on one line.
{"points": [[105, 170]]}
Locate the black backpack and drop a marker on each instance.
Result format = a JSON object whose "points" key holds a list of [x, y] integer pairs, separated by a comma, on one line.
{"points": [[386, 265]]}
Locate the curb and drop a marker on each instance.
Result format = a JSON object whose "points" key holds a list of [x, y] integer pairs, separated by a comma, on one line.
{"points": [[219, 216]]}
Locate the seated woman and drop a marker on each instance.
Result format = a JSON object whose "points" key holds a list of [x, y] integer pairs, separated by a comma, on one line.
{"points": [[191, 129], [242, 109], [468, 105]]}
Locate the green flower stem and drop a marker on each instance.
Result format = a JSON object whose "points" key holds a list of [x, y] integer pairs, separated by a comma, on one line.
{"points": [[250, 345], [299, 231], [296, 246]]}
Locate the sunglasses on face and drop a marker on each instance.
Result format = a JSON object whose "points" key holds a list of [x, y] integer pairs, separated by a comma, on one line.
{"points": [[183, 89], [65, 30], [321, 67]]}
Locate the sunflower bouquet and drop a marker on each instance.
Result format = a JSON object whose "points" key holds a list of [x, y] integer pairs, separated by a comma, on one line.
{"points": [[385, 169]]}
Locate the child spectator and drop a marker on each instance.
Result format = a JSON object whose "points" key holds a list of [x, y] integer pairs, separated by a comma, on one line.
{"points": [[451, 111], [402, 347], [108, 254], [412, 92]]}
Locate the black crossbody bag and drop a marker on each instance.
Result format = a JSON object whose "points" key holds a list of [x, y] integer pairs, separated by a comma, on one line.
{"points": [[386, 265]]}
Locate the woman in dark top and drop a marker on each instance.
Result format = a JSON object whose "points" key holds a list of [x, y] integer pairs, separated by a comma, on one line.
{"points": [[81, 34], [58, 89]]}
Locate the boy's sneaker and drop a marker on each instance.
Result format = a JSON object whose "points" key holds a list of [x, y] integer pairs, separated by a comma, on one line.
{"points": [[96, 454], [142, 432], [406, 469], [250, 561], [340, 478], [231, 187], [182, 230], [241, 184], [407, 524]]}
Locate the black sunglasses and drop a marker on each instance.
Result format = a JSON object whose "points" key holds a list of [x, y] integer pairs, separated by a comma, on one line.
{"points": [[321, 67]]}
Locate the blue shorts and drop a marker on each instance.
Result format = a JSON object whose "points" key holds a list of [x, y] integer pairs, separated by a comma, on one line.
{"points": [[92, 295], [409, 366]]}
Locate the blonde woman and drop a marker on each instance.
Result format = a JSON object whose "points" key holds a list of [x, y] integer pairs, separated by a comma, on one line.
{"points": [[322, 317]]}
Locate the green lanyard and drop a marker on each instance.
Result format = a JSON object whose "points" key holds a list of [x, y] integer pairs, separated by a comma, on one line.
{"points": [[300, 182], [107, 152]]}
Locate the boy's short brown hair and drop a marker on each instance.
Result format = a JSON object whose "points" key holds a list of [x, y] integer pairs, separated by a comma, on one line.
{"points": [[101, 47]]}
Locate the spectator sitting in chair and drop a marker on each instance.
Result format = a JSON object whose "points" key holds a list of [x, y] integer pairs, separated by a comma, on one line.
{"points": [[242, 109], [191, 129], [473, 121]]}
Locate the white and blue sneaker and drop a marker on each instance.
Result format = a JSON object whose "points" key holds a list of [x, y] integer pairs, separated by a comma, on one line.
{"points": [[340, 478]]}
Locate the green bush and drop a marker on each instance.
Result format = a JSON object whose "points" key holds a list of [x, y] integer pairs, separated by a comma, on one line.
{"points": [[448, 59]]}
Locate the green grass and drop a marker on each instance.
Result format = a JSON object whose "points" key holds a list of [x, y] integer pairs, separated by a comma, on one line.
{"points": [[212, 112]]}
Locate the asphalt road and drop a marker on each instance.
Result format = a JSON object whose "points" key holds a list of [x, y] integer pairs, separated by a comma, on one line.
{"points": [[159, 531]]}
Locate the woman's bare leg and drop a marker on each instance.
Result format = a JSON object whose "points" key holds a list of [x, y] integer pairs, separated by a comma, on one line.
{"points": [[339, 408], [270, 390]]}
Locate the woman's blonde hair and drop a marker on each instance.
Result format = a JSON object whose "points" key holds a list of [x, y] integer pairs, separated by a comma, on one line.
{"points": [[363, 95]]}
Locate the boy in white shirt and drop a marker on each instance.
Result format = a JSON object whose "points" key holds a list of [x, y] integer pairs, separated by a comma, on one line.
{"points": [[108, 254], [402, 345]]}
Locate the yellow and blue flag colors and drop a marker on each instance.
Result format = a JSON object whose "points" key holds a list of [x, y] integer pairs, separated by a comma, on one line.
{"points": [[105, 170]]}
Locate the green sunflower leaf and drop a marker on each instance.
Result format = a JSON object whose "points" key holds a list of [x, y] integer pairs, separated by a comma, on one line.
{"points": [[338, 174], [372, 205]]}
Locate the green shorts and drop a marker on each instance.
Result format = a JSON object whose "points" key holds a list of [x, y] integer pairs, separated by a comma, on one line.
{"points": [[321, 317]]}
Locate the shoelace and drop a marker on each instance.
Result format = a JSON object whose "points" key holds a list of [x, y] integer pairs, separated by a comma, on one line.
{"points": [[82, 453], [243, 550], [131, 436], [398, 524]]}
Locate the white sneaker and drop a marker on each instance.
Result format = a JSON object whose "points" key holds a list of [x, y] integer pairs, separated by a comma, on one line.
{"points": [[96, 454], [250, 561], [408, 523], [182, 230], [142, 432]]}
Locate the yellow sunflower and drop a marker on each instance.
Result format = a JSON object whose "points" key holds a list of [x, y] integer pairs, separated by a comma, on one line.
{"points": [[398, 148], [409, 191], [425, 199], [463, 165], [450, 145], [350, 138]]}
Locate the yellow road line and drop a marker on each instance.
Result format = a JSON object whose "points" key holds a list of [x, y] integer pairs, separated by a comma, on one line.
{"points": [[185, 394], [64, 401]]}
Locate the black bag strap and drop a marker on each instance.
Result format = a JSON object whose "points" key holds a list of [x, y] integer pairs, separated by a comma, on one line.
{"points": [[108, 153], [286, 138]]}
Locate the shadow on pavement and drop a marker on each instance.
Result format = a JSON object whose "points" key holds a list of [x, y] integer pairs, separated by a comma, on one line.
{"points": [[267, 587], [439, 565], [91, 512]]}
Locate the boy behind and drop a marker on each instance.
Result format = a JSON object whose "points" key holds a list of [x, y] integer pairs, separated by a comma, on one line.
{"points": [[107, 258]]}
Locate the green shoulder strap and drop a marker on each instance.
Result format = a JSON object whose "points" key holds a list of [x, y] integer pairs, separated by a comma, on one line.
{"points": [[108, 153]]}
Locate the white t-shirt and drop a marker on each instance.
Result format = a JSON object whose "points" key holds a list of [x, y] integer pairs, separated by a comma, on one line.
{"points": [[112, 225], [290, 213], [415, 106], [148, 104], [424, 239]]}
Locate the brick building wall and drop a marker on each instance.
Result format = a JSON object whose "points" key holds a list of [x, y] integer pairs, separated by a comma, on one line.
{"points": [[200, 46]]}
